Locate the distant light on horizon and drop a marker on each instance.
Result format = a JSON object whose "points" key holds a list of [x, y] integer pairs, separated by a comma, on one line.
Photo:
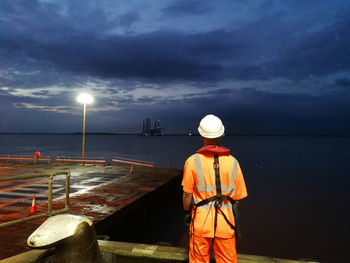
{"points": [[85, 98]]}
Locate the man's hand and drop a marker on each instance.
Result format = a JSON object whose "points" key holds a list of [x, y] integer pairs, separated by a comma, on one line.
{"points": [[187, 217], [187, 204]]}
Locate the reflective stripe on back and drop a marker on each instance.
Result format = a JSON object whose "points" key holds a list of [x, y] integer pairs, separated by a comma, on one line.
{"points": [[212, 204], [210, 188]]}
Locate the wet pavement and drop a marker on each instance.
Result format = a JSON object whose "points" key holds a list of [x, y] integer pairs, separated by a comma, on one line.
{"points": [[95, 191]]}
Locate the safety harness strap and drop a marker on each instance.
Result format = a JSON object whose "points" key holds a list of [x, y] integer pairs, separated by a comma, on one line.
{"points": [[217, 174], [220, 197], [217, 199], [218, 190]]}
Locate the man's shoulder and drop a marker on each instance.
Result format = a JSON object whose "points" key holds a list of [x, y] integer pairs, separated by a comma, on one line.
{"points": [[191, 158], [229, 157]]}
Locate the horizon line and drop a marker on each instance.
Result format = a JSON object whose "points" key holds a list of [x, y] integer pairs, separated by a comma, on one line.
{"points": [[183, 134]]}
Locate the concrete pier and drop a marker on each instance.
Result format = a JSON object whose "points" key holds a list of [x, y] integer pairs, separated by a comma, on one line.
{"points": [[121, 252]]}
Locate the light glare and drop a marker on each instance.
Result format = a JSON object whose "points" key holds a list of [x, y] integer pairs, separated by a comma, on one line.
{"points": [[85, 98]]}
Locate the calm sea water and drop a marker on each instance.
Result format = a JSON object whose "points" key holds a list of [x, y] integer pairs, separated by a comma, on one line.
{"points": [[298, 187]]}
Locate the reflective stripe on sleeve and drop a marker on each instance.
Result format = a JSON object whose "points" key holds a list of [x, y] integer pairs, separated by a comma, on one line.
{"points": [[231, 189], [201, 187]]}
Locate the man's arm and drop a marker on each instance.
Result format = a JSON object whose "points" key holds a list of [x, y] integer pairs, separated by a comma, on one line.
{"points": [[187, 201]]}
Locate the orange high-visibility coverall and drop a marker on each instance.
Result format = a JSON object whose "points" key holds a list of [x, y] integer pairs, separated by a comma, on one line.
{"points": [[199, 180]]}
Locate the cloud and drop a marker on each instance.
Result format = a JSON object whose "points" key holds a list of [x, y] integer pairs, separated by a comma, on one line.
{"points": [[129, 18], [271, 63], [57, 109], [319, 54], [183, 7], [159, 55], [264, 49], [343, 82], [251, 111]]}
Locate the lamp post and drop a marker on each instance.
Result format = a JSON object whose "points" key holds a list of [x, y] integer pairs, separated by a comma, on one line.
{"points": [[85, 99]]}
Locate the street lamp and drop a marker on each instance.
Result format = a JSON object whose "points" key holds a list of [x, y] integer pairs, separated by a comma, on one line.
{"points": [[85, 99]]}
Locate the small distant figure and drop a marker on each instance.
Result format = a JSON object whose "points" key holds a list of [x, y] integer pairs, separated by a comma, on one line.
{"points": [[212, 184], [37, 155]]}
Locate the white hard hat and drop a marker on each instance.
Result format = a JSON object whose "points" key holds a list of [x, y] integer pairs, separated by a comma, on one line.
{"points": [[211, 127]]}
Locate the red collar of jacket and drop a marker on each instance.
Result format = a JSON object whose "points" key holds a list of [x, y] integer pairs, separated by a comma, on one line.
{"points": [[214, 149]]}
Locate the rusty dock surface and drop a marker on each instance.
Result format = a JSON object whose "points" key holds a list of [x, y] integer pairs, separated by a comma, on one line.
{"points": [[101, 193]]}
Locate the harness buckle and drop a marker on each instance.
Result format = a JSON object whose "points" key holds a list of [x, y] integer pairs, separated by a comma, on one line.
{"points": [[216, 165]]}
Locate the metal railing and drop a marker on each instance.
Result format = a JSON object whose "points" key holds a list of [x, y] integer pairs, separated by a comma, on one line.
{"points": [[50, 211], [21, 158], [67, 159], [91, 160], [132, 161]]}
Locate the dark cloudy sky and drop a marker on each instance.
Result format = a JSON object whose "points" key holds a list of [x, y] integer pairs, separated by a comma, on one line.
{"points": [[266, 67]]}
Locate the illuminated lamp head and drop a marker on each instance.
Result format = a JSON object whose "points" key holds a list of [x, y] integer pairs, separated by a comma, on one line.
{"points": [[85, 98]]}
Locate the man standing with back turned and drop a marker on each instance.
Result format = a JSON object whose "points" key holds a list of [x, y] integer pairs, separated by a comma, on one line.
{"points": [[214, 180]]}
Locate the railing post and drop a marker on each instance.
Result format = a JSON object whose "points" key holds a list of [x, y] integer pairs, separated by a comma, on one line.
{"points": [[67, 190], [49, 205]]}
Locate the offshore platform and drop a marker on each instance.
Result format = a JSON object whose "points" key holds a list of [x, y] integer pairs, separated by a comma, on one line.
{"points": [[148, 131]]}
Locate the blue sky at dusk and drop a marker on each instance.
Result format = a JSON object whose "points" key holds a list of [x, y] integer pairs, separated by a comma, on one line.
{"points": [[264, 67]]}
